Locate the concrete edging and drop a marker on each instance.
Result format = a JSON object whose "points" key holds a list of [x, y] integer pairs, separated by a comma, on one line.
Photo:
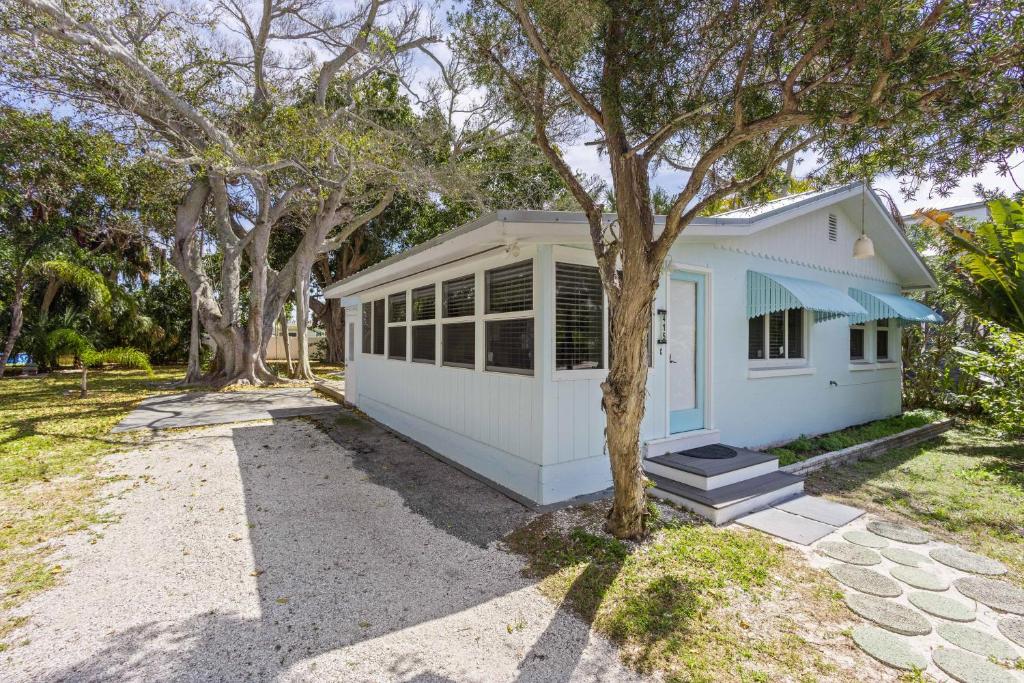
{"points": [[871, 448]]}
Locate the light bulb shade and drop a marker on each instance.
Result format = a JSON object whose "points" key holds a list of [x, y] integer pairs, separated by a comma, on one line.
{"points": [[863, 247]]}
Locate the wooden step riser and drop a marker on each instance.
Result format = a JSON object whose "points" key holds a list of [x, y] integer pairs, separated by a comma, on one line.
{"points": [[726, 514], [709, 483]]}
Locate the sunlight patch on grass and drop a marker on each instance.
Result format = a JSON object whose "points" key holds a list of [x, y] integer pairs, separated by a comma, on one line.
{"points": [[695, 602], [809, 446], [967, 487]]}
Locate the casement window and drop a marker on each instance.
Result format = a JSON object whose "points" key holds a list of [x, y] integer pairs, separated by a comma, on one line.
{"points": [[378, 327], [508, 318], [397, 317], [857, 350], [579, 317], [423, 328], [458, 339], [367, 327], [882, 341], [777, 339]]}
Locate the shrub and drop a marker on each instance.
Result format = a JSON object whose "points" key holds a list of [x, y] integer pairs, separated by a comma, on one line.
{"points": [[998, 364]]}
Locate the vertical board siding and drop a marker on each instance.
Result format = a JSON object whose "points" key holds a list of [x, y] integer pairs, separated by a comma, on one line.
{"points": [[494, 409]]}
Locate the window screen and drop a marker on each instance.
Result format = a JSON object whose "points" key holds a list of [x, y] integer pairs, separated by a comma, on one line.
{"points": [[882, 343], [755, 338], [396, 342], [856, 343], [396, 308], [458, 297], [579, 317], [367, 327], [423, 303], [424, 343], [458, 342], [510, 344], [777, 334], [509, 288], [378, 327], [795, 333]]}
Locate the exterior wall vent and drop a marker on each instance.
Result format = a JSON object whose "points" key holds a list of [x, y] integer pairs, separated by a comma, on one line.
{"points": [[833, 228]]}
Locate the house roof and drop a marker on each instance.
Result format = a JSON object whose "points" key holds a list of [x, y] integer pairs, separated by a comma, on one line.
{"points": [[497, 229]]}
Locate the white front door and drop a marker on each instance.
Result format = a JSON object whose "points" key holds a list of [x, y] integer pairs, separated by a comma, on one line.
{"points": [[685, 349]]}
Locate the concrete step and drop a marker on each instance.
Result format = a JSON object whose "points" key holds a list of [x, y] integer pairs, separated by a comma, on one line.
{"points": [[681, 442], [708, 474], [726, 503]]}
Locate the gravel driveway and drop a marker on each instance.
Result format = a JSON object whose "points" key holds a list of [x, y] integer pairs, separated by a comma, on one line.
{"points": [[291, 551]]}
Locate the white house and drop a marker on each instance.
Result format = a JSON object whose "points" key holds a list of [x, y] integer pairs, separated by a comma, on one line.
{"points": [[488, 345]]}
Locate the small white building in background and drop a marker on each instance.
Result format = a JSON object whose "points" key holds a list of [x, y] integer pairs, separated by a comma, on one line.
{"points": [[489, 343]]}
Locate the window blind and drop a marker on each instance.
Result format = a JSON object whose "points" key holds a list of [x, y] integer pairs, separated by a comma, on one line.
{"points": [[424, 343], [378, 327], [795, 333], [777, 334], [510, 344], [367, 327], [423, 303], [458, 297], [579, 317], [510, 288], [396, 308], [458, 342]]}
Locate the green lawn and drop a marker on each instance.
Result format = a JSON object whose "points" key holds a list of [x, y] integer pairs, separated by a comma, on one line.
{"points": [[809, 446], [50, 445], [966, 487], [695, 602]]}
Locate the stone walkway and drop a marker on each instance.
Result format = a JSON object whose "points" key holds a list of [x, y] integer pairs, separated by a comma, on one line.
{"points": [[927, 605], [802, 520]]}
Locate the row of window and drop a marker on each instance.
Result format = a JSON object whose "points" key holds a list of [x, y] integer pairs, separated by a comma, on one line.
{"points": [[779, 339], [508, 337]]}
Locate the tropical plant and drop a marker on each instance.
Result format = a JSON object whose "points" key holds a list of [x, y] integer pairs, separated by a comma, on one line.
{"points": [[999, 363], [991, 257], [65, 340]]}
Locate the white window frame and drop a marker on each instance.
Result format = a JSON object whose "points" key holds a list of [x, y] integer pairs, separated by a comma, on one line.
{"points": [[763, 364], [577, 259], [426, 321], [388, 325], [484, 318], [867, 360], [890, 328], [474, 318]]}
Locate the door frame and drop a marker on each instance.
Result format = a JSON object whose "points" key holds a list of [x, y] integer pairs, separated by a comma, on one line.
{"points": [[698, 417]]}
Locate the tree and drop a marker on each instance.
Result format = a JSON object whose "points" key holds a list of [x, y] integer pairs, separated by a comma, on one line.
{"points": [[990, 255], [729, 93], [64, 340]]}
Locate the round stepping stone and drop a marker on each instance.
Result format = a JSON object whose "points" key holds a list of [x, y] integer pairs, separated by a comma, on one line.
{"points": [[898, 532], [967, 668], [919, 578], [978, 642], [851, 554], [889, 615], [941, 606], [907, 558], [1012, 628], [866, 539], [865, 580], [996, 594], [888, 648], [965, 561]]}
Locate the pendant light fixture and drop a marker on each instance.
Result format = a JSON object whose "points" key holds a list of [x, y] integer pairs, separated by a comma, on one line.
{"points": [[863, 248]]}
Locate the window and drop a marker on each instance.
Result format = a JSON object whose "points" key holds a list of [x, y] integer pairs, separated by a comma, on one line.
{"points": [[458, 297], [378, 327], [458, 343], [777, 338], [508, 340], [396, 326], [857, 342], [882, 341], [367, 327], [510, 345], [510, 288], [579, 317], [424, 334]]}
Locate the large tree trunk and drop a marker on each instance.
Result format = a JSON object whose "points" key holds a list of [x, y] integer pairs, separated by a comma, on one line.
{"points": [[52, 288], [283, 322], [331, 315], [17, 318], [194, 373], [302, 271]]}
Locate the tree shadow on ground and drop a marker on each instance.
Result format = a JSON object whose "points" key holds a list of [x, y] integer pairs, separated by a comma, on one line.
{"points": [[339, 562]]}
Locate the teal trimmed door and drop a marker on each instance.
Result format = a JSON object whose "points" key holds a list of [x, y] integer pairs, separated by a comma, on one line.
{"points": [[686, 351]]}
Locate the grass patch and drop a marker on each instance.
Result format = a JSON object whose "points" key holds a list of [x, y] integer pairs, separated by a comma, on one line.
{"points": [[810, 446], [966, 487], [694, 602], [50, 445]]}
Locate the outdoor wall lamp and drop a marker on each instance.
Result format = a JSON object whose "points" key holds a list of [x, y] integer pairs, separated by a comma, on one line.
{"points": [[662, 326]]}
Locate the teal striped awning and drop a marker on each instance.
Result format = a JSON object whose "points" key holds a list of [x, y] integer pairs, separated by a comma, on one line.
{"points": [[768, 293], [881, 306]]}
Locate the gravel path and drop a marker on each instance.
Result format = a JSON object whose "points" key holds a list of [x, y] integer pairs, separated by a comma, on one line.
{"points": [[280, 551]]}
